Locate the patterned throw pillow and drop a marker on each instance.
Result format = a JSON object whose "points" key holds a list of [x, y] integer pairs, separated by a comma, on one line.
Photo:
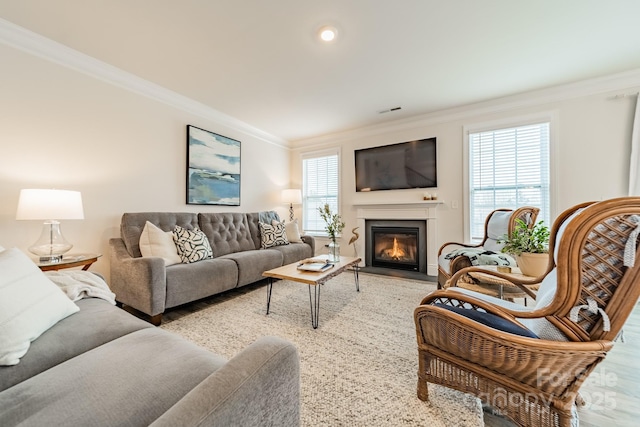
{"points": [[272, 235], [192, 245]]}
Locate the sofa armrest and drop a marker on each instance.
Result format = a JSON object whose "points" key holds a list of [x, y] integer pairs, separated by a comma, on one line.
{"points": [[260, 386], [311, 241], [137, 282]]}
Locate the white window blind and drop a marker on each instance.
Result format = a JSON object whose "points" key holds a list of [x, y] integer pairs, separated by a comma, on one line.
{"points": [[508, 168], [320, 177]]}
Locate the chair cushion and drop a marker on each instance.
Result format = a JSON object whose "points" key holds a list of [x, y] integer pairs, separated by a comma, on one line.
{"points": [[490, 320], [497, 229]]}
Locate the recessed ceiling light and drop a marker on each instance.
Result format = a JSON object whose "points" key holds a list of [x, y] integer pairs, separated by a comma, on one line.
{"points": [[328, 33]]}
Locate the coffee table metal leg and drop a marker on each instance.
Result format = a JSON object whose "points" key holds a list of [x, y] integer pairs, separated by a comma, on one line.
{"points": [[356, 269], [315, 305], [269, 288]]}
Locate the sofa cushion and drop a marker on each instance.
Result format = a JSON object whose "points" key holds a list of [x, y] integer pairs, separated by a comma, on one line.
{"points": [[30, 304], [272, 235], [227, 232], [192, 245], [251, 264], [132, 224], [155, 242], [190, 282], [96, 323], [294, 252], [132, 380]]}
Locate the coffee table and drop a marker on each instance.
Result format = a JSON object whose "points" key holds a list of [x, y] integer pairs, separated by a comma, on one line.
{"points": [[313, 279]]}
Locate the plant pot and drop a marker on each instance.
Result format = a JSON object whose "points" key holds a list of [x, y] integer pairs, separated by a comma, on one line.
{"points": [[532, 264]]}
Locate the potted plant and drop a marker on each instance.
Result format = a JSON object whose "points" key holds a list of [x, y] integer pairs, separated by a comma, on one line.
{"points": [[334, 226], [529, 246]]}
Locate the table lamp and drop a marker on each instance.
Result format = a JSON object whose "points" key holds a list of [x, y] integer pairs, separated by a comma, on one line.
{"points": [[35, 204], [291, 196]]}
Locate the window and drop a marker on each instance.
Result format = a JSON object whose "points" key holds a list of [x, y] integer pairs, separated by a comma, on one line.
{"points": [[508, 168], [320, 178]]}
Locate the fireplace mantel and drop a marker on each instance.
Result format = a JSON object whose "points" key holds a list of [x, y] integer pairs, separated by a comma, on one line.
{"points": [[421, 210]]}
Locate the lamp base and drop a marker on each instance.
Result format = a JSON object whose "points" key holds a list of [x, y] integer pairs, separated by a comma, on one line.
{"points": [[52, 259], [51, 245]]}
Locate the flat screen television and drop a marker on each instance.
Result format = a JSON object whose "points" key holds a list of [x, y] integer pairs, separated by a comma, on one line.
{"points": [[411, 164]]}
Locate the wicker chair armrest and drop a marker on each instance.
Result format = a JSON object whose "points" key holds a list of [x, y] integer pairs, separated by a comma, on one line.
{"points": [[456, 299], [463, 245]]}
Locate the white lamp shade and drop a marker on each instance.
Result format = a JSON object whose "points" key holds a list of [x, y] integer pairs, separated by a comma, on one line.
{"points": [[292, 196], [36, 204]]}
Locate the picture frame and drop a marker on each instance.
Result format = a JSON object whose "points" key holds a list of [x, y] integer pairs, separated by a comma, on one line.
{"points": [[213, 168]]}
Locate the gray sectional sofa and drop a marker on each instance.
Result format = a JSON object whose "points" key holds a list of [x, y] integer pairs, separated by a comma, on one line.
{"points": [[147, 285], [104, 367]]}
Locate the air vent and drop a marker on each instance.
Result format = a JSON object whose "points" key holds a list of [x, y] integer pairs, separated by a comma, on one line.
{"points": [[390, 110]]}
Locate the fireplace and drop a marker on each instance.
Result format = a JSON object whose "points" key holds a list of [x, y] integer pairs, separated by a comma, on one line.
{"points": [[396, 244]]}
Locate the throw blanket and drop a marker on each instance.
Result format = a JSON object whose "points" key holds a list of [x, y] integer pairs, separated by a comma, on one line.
{"points": [[78, 284], [479, 256]]}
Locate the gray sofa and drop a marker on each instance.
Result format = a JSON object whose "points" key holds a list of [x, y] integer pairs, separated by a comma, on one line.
{"points": [[145, 284], [102, 366]]}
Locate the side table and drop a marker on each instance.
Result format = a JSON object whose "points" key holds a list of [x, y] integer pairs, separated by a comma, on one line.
{"points": [[70, 261], [489, 284]]}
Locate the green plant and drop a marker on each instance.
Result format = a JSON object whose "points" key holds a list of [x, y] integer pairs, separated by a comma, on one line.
{"points": [[524, 239], [334, 224]]}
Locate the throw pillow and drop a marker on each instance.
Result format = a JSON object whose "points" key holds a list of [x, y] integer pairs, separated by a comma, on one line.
{"points": [[157, 243], [30, 304], [192, 245], [272, 235], [291, 229], [490, 320]]}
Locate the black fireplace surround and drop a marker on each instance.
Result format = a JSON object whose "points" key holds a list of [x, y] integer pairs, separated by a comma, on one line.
{"points": [[396, 244]]}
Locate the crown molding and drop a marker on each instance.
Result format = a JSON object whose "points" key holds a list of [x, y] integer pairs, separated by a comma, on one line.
{"points": [[32, 43], [614, 82]]}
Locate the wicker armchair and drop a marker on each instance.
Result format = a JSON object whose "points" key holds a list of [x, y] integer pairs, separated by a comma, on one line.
{"points": [[589, 294], [498, 223]]}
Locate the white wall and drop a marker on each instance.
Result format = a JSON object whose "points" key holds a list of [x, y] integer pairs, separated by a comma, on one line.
{"points": [[60, 128], [590, 157]]}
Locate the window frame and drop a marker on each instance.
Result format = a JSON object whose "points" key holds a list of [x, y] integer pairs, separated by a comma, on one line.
{"points": [[336, 151], [513, 122]]}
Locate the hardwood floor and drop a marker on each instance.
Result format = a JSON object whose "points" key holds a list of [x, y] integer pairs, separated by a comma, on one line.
{"points": [[612, 391]]}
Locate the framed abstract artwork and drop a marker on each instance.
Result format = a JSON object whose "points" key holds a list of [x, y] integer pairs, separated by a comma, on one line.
{"points": [[213, 168]]}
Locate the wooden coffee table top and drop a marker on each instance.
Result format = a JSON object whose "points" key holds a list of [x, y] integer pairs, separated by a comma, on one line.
{"points": [[291, 272]]}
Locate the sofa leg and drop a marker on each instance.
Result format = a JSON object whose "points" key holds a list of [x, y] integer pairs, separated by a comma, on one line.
{"points": [[156, 320]]}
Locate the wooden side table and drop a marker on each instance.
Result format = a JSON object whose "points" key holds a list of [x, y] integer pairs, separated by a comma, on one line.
{"points": [[70, 261], [495, 286]]}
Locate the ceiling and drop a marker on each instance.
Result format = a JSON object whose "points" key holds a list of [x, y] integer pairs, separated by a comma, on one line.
{"points": [[261, 62]]}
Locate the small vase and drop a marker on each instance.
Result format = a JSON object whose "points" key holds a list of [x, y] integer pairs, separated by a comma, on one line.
{"points": [[334, 251]]}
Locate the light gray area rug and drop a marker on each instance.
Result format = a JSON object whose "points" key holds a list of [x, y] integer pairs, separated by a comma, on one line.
{"points": [[359, 368]]}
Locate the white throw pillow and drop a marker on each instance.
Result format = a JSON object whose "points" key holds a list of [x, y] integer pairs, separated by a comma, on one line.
{"points": [[157, 243], [291, 229], [30, 304]]}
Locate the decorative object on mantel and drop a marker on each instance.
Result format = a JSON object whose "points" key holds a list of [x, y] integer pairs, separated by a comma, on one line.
{"points": [[291, 196], [334, 226], [213, 168], [50, 205], [353, 240]]}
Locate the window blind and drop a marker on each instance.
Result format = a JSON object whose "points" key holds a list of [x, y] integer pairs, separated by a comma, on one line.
{"points": [[319, 186], [508, 168]]}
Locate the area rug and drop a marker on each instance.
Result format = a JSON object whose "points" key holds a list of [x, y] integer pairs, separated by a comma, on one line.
{"points": [[359, 368]]}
